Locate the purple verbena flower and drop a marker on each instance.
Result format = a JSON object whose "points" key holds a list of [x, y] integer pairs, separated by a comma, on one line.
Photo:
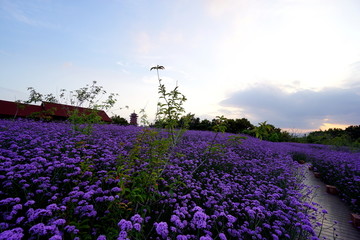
{"points": [[207, 237], [137, 226], [56, 237], [13, 234], [222, 236], [199, 219], [137, 219], [162, 229], [181, 237], [125, 225], [38, 229], [59, 221], [101, 237], [71, 229], [122, 236]]}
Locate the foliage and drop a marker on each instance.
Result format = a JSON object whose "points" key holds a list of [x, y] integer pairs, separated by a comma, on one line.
{"points": [[35, 97], [232, 125], [269, 132], [170, 108], [116, 119], [264, 130], [353, 132], [140, 171], [88, 97], [43, 115], [350, 137], [84, 121], [144, 118], [219, 124], [238, 125]]}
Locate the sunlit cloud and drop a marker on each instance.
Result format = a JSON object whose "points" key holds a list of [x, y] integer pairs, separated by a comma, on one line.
{"points": [[326, 126], [304, 109], [309, 50]]}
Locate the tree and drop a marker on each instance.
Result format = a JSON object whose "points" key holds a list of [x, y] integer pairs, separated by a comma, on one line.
{"points": [[205, 125], [89, 97], [238, 125], [116, 119], [35, 97], [264, 131], [353, 132]]}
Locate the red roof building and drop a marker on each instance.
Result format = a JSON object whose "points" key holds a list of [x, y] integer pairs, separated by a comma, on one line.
{"points": [[15, 109], [50, 110], [62, 111]]}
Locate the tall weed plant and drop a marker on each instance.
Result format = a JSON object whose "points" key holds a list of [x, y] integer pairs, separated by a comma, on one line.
{"points": [[170, 108], [86, 97], [141, 171]]}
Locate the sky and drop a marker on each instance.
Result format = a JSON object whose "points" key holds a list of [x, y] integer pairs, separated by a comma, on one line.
{"points": [[292, 63]]}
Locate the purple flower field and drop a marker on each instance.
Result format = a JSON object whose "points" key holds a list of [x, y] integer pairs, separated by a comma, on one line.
{"points": [[127, 183]]}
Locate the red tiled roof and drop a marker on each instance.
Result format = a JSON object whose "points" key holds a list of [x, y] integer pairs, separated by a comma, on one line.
{"points": [[17, 109], [62, 110]]}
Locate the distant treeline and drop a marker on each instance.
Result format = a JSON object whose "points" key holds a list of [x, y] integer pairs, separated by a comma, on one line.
{"points": [[264, 131], [349, 137]]}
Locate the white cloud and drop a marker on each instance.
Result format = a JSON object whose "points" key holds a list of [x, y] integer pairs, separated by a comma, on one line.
{"points": [[68, 64], [24, 11], [219, 8], [143, 43]]}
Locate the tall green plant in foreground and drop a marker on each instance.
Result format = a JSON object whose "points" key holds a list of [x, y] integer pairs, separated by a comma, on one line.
{"points": [[141, 170], [170, 108]]}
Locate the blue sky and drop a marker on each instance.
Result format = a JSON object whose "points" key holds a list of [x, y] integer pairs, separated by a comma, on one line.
{"points": [[293, 63]]}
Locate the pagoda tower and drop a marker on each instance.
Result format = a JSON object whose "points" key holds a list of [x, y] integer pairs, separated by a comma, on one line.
{"points": [[133, 119]]}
